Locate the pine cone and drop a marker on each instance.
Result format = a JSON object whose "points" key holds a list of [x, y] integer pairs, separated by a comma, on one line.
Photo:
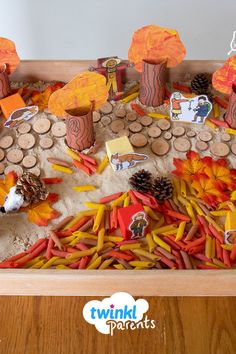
{"points": [[200, 84], [31, 187], [162, 188], [141, 181]]}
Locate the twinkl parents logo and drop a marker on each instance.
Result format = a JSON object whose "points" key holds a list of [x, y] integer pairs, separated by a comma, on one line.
{"points": [[118, 312], [233, 44]]}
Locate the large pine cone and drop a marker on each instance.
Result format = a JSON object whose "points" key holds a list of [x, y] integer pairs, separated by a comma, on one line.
{"points": [[162, 188], [31, 187], [141, 181], [200, 84]]}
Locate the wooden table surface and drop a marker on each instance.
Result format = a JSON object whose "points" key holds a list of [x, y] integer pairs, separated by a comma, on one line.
{"points": [[54, 325]]}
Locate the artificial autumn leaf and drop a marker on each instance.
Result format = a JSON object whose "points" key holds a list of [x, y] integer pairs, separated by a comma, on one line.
{"points": [[80, 92], [41, 98], [224, 78], [8, 55], [42, 213], [186, 169], [154, 43], [5, 185]]}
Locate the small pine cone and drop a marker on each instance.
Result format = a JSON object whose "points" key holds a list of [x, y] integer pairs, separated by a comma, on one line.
{"points": [[31, 187], [141, 181], [162, 188], [200, 84]]}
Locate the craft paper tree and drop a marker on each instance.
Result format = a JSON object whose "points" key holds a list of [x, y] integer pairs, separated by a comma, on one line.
{"points": [[152, 49], [9, 61], [224, 80], [75, 102]]}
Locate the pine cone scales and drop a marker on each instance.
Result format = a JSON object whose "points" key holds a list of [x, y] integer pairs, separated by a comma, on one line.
{"points": [[141, 181], [31, 187], [162, 188], [200, 84]]}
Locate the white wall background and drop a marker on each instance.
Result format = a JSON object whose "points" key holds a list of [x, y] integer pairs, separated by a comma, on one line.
{"points": [[87, 29]]}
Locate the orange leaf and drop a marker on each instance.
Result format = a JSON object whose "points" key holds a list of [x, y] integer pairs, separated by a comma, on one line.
{"points": [[8, 55], [41, 98], [154, 43], [186, 169], [41, 213], [5, 185], [79, 93], [225, 76], [208, 190]]}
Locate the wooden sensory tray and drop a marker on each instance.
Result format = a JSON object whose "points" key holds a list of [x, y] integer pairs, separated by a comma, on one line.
{"points": [[100, 282]]}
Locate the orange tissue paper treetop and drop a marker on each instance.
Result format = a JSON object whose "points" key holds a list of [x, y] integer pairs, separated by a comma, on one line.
{"points": [[8, 55]]}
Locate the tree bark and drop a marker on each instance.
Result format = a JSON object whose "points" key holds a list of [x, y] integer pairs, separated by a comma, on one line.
{"points": [[79, 128], [230, 116], [152, 83], [5, 89]]}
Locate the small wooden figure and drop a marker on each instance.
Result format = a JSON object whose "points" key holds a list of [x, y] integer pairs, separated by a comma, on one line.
{"points": [[133, 222]]}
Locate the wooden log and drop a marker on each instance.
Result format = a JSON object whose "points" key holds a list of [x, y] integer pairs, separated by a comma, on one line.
{"points": [[230, 116], [5, 89]]}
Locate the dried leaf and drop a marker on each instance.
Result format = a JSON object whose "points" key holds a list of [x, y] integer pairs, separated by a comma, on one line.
{"points": [[42, 213], [5, 185], [41, 98], [186, 169]]}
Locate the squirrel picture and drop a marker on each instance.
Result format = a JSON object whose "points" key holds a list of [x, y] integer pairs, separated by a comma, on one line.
{"points": [[127, 160]]}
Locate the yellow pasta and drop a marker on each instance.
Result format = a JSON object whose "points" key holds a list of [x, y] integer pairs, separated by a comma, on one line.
{"points": [[119, 200], [119, 266], [211, 124], [218, 263], [79, 254], [142, 264], [126, 201], [219, 212], [227, 247], [103, 164], [211, 221], [151, 213], [160, 230], [158, 115], [230, 131], [49, 263], [208, 247], [191, 214], [216, 110], [151, 243], [160, 242], [180, 232], [93, 259], [183, 188], [197, 208], [72, 154], [38, 265], [98, 218], [91, 205], [130, 97], [106, 263], [113, 238], [61, 266], [146, 254], [100, 239], [130, 246], [61, 168], [33, 261], [85, 188], [95, 264]]}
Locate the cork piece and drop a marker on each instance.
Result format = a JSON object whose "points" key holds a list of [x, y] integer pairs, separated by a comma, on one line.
{"points": [[26, 141], [154, 132], [163, 124], [182, 144], [2, 168], [42, 126], [220, 149], [117, 125], [191, 133], [58, 129], [225, 137], [167, 135], [233, 148], [96, 116], [178, 131], [16, 168], [135, 127], [6, 141], [205, 136], [146, 121], [106, 108], [120, 112], [29, 161], [131, 116], [2, 154], [160, 147], [138, 140], [202, 145], [36, 171], [106, 120], [46, 143], [24, 128], [15, 155], [123, 132]]}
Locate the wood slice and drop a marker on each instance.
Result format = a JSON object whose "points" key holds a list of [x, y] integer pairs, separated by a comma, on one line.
{"points": [[15, 156], [182, 144], [163, 124], [233, 148], [225, 137], [154, 132], [26, 141], [36, 171], [16, 168], [135, 127], [160, 147], [178, 131], [202, 145], [46, 143], [2, 154], [138, 140], [58, 129], [2, 168], [42, 125], [29, 161], [117, 125], [167, 135], [120, 112], [24, 128], [131, 116], [123, 132], [106, 108], [220, 149], [191, 133], [205, 136], [106, 120], [96, 117], [6, 141], [146, 121]]}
